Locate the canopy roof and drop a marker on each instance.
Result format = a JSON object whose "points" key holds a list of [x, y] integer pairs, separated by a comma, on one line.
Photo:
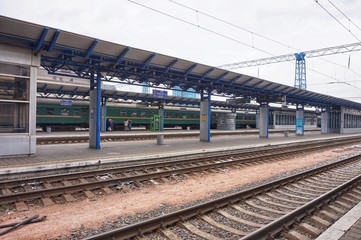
{"points": [[83, 55]]}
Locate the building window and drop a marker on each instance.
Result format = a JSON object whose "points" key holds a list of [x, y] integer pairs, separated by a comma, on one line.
{"points": [[14, 98]]}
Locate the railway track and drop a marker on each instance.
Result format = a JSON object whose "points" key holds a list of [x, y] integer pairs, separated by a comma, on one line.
{"points": [[44, 140], [297, 207], [67, 187]]}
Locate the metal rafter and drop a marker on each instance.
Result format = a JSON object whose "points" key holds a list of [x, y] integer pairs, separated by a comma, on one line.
{"points": [[40, 43], [90, 49]]}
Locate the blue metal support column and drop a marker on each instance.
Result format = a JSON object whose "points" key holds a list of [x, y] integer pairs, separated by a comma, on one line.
{"points": [[300, 121], [263, 120], [205, 117], [99, 93], [300, 71]]}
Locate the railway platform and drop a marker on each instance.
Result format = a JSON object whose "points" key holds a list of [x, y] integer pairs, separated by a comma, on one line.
{"points": [[347, 227], [84, 134], [78, 154]]}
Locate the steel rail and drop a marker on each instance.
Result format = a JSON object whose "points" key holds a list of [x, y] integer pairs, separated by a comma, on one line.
{"points": [[190, 212], [287, 220], [23, 196]]}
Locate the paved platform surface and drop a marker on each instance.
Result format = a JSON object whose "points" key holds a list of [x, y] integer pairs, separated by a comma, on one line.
{"points": [[78, 154], [347, 227]]}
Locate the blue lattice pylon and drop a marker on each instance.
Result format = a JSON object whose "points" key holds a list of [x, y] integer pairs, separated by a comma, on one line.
{"points": [[300, 71]]}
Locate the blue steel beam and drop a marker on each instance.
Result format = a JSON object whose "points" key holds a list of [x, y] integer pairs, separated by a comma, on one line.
{"points": [[267, 85], [190, 69], [149, 59], [122, 55], [169, 66], [90, 49], [255, 86], [204, 75], [219, 78], [53, 40], [40, 42], [247, 81], [235, 79]]}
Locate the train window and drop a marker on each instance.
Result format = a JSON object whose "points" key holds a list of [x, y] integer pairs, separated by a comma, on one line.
{"points": [[142, 114], [84, 112], [184, 116], [176, 115], [76, 112], [169, 115], [191, 115], [134, 114], [123, 113], [64, 112], [49, 111]]}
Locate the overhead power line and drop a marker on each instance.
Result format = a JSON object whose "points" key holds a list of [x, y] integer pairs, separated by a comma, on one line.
{"points": [[261, 36], [348, 30], [344, 15], [233, 25], [222, 35], [205, 29]]}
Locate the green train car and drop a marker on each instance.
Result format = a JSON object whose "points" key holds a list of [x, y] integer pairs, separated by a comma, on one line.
{"points": [[50, 113]]}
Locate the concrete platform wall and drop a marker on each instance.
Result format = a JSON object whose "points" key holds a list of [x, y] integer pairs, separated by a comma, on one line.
{"points": [[16, 143]]}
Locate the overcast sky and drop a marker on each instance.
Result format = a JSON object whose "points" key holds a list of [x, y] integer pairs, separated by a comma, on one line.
{"points": [[300, 24]]}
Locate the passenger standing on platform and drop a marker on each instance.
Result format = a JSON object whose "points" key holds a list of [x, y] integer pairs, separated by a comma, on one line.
{"points": [[130, 124], [126, 125], [111, 124]]}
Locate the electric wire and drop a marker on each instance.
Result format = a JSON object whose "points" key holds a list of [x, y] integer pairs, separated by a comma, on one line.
{"points": [[203, 28], [259, 35], [234, 25], [221, 35], [348, 30], [344, 15]]}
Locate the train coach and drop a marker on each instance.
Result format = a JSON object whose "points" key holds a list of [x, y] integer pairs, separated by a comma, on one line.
{"points": [[50, 113]]}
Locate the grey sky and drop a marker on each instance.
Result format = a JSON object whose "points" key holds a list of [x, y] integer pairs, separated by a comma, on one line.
{"points": [[302, 24]]}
